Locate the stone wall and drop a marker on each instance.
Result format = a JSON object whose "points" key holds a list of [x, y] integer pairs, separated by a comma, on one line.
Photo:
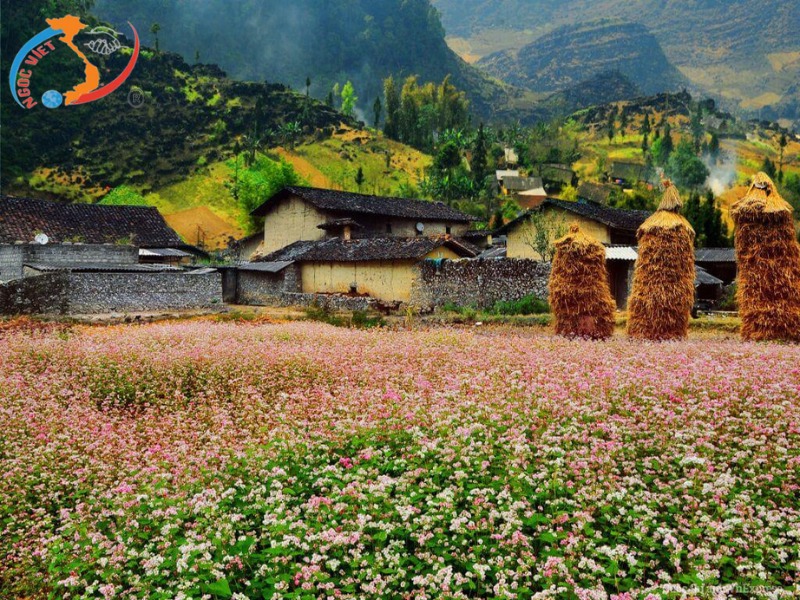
{"points": [[12, 257], [89, 293], [258, 288], [478, 282]]}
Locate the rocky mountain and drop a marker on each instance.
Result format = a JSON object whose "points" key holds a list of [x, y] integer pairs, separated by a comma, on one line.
{"points": [[328, 42], [574, 54], [744, 51]]}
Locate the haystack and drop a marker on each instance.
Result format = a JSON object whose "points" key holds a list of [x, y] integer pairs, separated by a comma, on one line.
{"points": [[579, 293], [768, 257], [663, 284]]}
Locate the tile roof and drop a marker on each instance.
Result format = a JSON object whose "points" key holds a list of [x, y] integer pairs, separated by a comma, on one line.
{"points": [[521, 184], [337, 223], [623, 253], [628, 171], [104, 268], [22, 218], [347, 202], [338, 250], [703, 277], [616, 218], [266, 267], [594, 192], [717, 255]]}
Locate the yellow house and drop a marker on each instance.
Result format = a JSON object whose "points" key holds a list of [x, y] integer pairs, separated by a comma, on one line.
{"points": [[312, 214], [610, 226], [382, 268]]}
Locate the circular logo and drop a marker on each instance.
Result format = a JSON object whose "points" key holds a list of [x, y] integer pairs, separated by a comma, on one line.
{"points": [[52, 99], [136, 97]]}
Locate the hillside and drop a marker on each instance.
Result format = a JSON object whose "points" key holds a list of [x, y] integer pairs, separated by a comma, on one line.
{"points": [[574, 54], [742, 50], [363, 41]]}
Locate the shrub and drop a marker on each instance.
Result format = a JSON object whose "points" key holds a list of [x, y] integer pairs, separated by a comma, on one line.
{"points": [[529, 305]]}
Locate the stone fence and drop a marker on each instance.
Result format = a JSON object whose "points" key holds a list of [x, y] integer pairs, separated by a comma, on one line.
{"points": [[478, 282], [14, 256], [95, 293]]}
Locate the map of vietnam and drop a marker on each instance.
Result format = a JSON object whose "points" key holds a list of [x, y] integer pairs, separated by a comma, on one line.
{"points": [[71, 26]]}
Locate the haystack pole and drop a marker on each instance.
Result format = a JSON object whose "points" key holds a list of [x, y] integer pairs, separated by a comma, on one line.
{"points": [[579, 292], [662, 297], [768, 258]]}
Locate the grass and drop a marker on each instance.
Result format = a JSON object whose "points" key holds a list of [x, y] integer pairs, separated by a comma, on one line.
{"points": [[340, 157]]}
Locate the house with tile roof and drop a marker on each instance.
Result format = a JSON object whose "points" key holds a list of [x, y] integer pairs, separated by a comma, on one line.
{"points": [[313, 214]]}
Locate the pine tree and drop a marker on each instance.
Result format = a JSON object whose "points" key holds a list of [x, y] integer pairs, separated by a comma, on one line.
{"points": [[713, 148], [391, 126], [377, 107], [360, 178], [479, 161], [667, 144]]}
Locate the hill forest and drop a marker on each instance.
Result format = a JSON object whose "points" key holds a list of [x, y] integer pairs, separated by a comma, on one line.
{"points": [[359, 110]]}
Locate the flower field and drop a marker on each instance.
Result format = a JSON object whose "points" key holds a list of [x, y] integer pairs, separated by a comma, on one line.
{"points": [[222, 460]]}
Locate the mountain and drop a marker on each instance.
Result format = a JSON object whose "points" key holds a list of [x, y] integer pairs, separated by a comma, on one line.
{"points": [[574, 54], [330, 42], [744, 51]]}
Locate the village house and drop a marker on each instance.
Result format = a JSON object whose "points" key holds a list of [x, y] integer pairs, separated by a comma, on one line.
{"points": [[615, 228], [556, 177], [718, 262], [83, 258], [627, 174], [381, 268], [611, 226], [311, 214], [595, 192]]}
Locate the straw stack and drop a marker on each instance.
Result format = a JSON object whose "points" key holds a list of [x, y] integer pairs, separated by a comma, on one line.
{"points": [[769, 264], [579, 293], [663, 284]]}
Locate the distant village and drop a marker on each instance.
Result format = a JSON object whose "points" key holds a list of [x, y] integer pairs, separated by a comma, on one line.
{"points": [[322, 247]]}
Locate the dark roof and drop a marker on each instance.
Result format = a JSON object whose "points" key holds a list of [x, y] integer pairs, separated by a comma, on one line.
{"points": [[104, 268], [715, 255], [616, 218], [521, 184], [703, 277], [558, 173], [628, 171], [338, 250], [22, 218], [337, 223], [165, 252], [594, 192], [477, 234], [347, 202], [266, 267]]}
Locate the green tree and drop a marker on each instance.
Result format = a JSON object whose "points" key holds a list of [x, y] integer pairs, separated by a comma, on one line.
{"points": [[377, 107], [685, 167], [698, 133], [123, 196], [154, 29], [479, 162], [448, 158], [349, 99], [769, 168], [360, 178], [196, 56], [611, 126], [308, 88], [391, 128], [783, 141], [646, 126], [254, 185], [713, 148], [668, 146]]}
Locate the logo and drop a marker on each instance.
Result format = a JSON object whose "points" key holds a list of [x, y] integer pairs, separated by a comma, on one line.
{"points": [[104, 42]]}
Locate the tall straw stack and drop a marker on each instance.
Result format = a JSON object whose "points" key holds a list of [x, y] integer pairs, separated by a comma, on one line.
{"points": [[769, 264], [663, 284], [579, 292]]}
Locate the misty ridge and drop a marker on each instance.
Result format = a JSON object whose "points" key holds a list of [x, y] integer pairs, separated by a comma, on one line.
{"points": [[329, 41]]}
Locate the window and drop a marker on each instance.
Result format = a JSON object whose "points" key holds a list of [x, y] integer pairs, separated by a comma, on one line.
{"points": [[447, 230]]}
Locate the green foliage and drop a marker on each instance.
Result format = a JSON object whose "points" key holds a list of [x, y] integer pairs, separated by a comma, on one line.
{"points": [[529, 305], [419, 113], [479, 162], [706, 219], [349, 99], [261, 180], [686, 169], [124, 196]]}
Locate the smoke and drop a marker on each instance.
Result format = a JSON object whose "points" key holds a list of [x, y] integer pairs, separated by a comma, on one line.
{"points": [[722, 175]]}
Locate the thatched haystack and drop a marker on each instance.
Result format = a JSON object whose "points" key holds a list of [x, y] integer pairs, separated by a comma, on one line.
{"points": [[769, 264], [661, 301], [579, 292]]}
